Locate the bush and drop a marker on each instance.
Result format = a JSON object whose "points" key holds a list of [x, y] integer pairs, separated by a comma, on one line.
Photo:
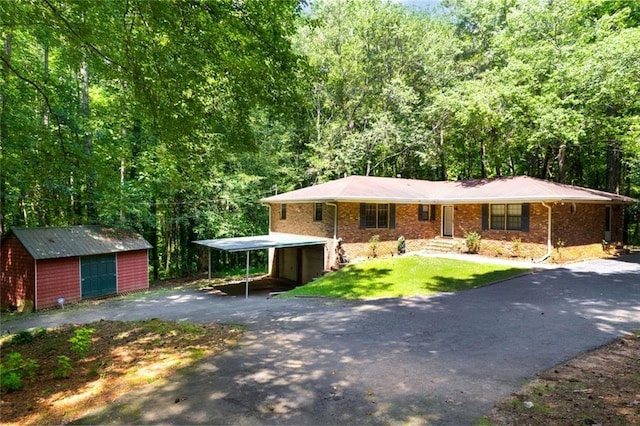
{"points": [[473, 242], [26, 336], [64, 367], [14, 369], [9, 380], [22, 337], [373, 245], [81, 341]]}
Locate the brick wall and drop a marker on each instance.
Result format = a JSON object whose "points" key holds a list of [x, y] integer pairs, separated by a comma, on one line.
{"points": [[57, 278], [300, 220], [582, 229], [585, 224], [133, 271], [17, 273]]}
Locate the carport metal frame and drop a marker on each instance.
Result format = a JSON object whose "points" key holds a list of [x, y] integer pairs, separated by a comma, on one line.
{"points": [[258, 242]]}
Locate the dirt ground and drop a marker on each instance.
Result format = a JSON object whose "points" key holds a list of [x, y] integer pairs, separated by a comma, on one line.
{"points": [[601, 387], [121, 356]]}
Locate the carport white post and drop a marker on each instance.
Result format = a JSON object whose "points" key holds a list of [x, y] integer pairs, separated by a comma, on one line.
{"points": [[246, 285]]}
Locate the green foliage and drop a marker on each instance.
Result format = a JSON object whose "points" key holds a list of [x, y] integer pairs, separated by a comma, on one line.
{"points": [[64, 367], [403, 277], [472, 240], [81, 341], [373, 245], [9, 380], [516, 244], [14, 369], [22, 337], [270, 99], [26, 336]]}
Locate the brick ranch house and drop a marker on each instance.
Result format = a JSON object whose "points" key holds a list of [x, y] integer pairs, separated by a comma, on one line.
{"points": [[38, 266], [515, 216]]}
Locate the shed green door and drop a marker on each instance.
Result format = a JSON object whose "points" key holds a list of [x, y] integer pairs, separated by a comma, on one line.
{"points": [[98, 275]]}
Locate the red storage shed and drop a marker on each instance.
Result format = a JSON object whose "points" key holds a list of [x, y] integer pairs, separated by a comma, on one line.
{"points": [[41, 265]]}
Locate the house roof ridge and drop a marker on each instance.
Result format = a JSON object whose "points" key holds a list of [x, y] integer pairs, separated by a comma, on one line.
{"points": [[377, 188]]}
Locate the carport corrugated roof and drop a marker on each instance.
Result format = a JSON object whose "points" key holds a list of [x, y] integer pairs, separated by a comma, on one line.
{"points": [[259, 242]]}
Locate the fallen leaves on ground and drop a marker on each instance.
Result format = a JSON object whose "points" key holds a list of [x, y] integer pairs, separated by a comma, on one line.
{"points": [[598, 387], [122, 355]]}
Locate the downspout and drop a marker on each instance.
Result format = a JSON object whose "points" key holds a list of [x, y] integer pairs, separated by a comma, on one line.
{"points": [[549, 246], [335, 230]]}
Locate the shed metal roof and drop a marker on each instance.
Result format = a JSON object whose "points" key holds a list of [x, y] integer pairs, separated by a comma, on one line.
{"points": [[259, 242], [396, 190], [58, 242]]}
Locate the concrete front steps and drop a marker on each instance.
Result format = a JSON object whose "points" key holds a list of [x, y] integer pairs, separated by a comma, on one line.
{"points": [[441, 245]]}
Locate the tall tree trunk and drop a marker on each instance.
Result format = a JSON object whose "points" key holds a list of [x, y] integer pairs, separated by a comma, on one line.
{"points": [[562, 151], [45, 63], [4, 131], [155, 259], [91, 209], [444, 175], [483, 160], [614, 166]]}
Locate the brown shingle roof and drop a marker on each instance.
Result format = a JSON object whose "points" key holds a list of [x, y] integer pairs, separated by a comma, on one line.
{"points": [[51, 243], [507, 189]]}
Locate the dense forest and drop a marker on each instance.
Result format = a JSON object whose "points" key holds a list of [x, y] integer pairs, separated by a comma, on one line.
{"points": [[175, 117]]}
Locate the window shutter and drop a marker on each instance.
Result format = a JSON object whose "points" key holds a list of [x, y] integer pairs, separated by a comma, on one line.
{"points": [[525, 218], [363, 215], [392, 216], [432, 213], [485, 217]]}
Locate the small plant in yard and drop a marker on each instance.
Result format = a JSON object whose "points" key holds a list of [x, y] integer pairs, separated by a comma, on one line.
{"points": [[81, 341], [9, 380], [373, 245], [473, 242], [559, 244], [64, 367], [517, 247], [402, 245], [15, 368], [26, 336]]}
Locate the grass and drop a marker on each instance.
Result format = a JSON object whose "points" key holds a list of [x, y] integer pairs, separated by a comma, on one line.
{"points": [[405, 276]]}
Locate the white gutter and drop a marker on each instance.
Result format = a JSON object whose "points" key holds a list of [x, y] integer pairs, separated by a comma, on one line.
{"points": [[335, 220], [549, 246]]}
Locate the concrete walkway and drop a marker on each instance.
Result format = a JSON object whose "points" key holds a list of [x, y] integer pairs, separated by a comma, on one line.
{"points": [[444, 359]]}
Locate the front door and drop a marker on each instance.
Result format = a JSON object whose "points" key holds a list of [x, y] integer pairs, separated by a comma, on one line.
{"points": [[98, 275], [447, 221]]}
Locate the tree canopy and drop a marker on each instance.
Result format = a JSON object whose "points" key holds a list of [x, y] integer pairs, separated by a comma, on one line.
{"points": [[175, 118]]}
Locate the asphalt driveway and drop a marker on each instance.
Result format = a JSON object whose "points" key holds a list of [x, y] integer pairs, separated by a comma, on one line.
{"points": [[444, 359]]}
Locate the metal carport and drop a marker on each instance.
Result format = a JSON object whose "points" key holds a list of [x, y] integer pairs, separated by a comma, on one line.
{"points": [[258, 242]]}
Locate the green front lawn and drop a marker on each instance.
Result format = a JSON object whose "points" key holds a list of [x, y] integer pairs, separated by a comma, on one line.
{"points": [[405, 276]]}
